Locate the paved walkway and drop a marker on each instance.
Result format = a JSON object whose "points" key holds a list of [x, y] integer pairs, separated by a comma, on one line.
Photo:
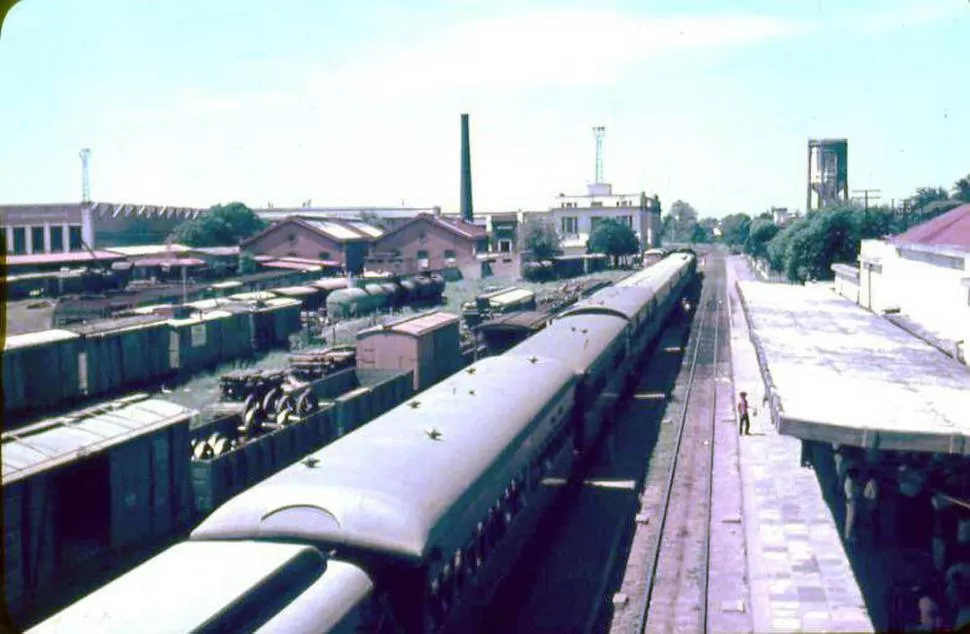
{"points": [[798, 571]]}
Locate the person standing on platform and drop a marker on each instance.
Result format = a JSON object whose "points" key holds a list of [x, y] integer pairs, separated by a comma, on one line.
{"points": [[851, 503], [744, 421]]}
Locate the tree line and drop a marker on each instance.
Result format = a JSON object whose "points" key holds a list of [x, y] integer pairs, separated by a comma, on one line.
{"points": [[806, 248]]}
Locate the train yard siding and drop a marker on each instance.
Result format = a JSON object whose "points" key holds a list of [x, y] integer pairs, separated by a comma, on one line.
{"points": [[347, 400]]}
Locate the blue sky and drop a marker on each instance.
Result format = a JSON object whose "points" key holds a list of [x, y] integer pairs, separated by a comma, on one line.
{"points": [[357, 103]]}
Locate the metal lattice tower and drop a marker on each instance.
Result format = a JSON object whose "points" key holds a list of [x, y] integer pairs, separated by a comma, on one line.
{"points": [[599, 132], [85, 155]]}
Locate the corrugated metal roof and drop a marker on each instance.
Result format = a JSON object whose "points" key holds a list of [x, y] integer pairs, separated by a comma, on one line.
{"points": [[217, 251], [365, 228], [210, 304], [55, 258], [335, 230], [511, 296], [949, 229], [330, 283], [423, 325], [168, 261], [117, 325], [224, 285], [147, 310], [518, 320], [53, 443], [277, 302], [29, 339], [253, 296], [149, 249]]}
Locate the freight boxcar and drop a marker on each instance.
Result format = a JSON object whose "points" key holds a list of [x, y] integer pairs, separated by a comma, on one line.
{"points": [[505, 331], [239, 333], [41, 369], [79, 492], [428, 344], [223, 289], [118, 353], [309, 296], [254, 296], [195, 341], [283, 314]]}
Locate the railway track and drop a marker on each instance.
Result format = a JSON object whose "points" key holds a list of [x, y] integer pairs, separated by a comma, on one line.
{"points": [[565, 581], [676, 570]]}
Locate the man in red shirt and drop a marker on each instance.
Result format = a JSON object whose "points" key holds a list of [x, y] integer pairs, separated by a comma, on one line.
{"points": [[744, 423]]}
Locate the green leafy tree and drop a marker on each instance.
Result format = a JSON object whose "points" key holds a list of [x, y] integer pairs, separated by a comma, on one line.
{"points": [[683, 219], [961, 189], [926, 195], [735, 229], [807, 248], [761, 231], [221, 225], [540, 239], [700, 235], [614, 238]]}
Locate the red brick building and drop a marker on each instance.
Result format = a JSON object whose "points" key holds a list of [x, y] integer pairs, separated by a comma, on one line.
{"points": [[429, 243], [346, 242]]}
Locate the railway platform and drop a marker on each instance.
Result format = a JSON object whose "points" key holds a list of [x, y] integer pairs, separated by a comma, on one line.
{"points": [[800, 578]]}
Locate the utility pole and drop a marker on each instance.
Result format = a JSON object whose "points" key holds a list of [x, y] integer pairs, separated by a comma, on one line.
{"points": [[865, 195], [85, 155], [598, 133]]}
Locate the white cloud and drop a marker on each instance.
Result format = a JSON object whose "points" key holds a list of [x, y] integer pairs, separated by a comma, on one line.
{"points": [[534, 49]]}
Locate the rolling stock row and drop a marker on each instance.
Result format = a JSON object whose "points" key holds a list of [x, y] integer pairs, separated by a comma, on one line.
{"points": [[410, 523], [103, 357]]}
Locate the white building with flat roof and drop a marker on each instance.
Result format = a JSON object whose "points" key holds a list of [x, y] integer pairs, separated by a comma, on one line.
{"points": [[575, 217]]}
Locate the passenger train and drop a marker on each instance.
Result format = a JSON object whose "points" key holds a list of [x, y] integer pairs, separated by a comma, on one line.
{"points": [[409, 523]]}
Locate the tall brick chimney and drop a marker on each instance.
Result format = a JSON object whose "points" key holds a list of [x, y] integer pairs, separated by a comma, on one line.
{"points": [[466, 171]]}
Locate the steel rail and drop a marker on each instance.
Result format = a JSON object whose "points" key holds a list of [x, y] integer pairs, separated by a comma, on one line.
{"points": [[648, 591]]}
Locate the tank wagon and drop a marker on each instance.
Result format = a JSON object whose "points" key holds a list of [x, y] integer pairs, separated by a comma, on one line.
{"points": [[375, 294], [435, 500]]}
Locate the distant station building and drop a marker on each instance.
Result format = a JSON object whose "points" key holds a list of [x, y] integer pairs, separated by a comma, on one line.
{"points": [[575, 217], [42, 237], [920, 277]]}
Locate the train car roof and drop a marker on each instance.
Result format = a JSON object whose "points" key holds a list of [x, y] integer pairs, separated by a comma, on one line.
{"points": [[215, 586], [622, 301], [576, 340], [39, 338], [520, 320], [59, 441], [393, 484], [510, 296]]}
